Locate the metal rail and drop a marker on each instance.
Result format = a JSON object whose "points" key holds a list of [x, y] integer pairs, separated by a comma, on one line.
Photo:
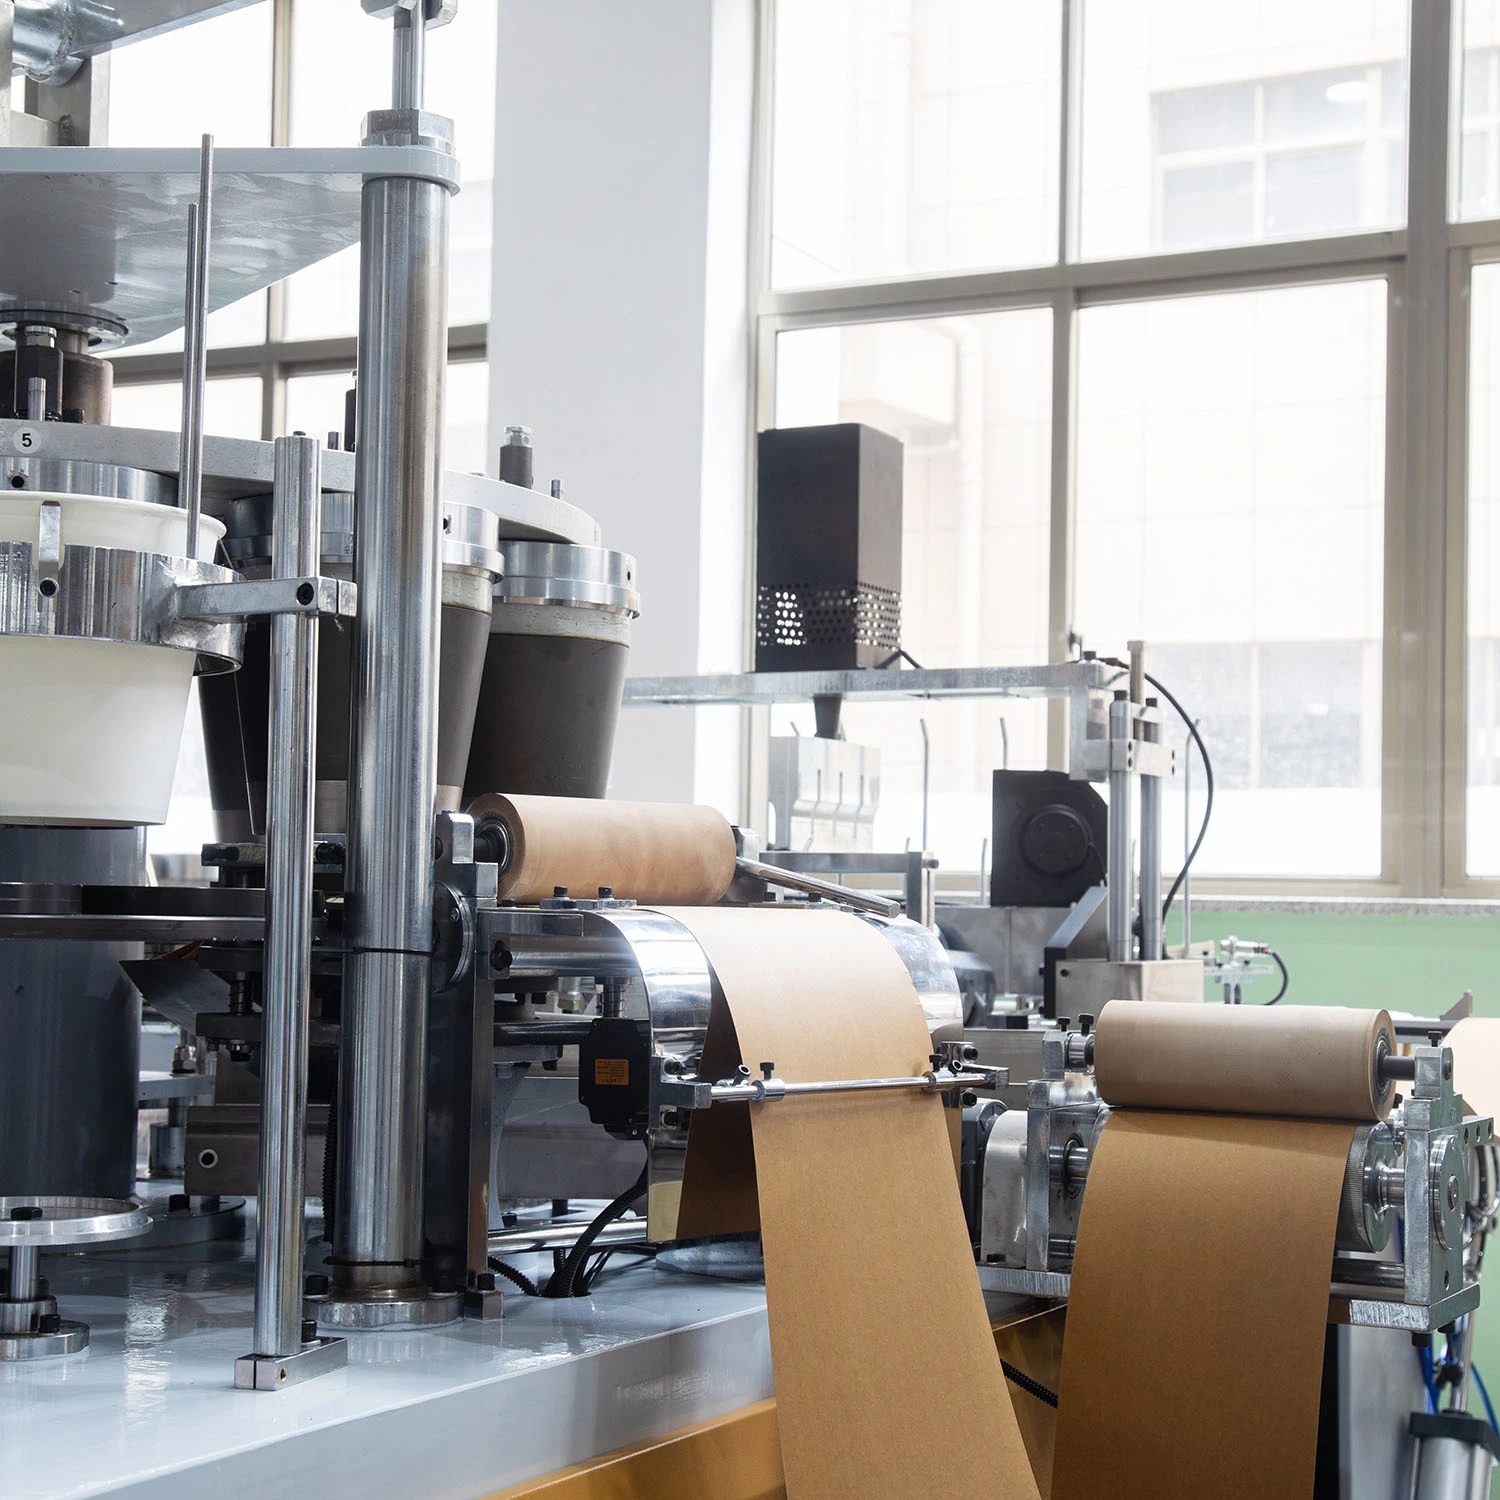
{"points": [[195, 348]]}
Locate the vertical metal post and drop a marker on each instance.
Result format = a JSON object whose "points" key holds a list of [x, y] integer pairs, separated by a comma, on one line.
{"points": [[195, 347], [1187, 847], [378, 1240], [1151, 802], [23, 1272], [281, 1354], [1120, 905]]}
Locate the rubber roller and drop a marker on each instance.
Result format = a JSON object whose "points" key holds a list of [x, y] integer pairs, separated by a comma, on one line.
{"points": [[657, 853], [1316, 1062]]}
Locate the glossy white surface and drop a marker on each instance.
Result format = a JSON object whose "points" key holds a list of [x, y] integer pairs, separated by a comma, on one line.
{"points": [[150, 1408]]}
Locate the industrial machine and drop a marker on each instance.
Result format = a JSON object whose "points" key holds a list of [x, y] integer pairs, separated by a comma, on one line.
{"points": [[383, 1007]]}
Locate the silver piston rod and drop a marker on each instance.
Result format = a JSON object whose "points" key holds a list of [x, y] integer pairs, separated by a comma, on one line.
{"points": [[377, 1237]]}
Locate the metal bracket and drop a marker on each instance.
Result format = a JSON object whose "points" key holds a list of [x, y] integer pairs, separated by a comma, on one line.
{"points": [[1100, 757], [49, 546], [275, 1372], [333, 598]]}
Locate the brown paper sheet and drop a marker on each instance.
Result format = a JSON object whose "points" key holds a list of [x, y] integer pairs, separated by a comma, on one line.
{"points": [[1476, 1063], [651, 852], [886, 1373], [1193, 1360], [1034, 1345], [1317, 1062]]}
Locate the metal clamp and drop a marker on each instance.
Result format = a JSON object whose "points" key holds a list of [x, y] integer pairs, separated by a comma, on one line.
{"points": [[110, 594], [334, 598], [678, 1092]]}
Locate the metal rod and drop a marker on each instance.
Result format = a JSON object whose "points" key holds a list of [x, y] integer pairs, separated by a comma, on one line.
{"points": [[1121, 897], [1187, 846], [195, 347], [36, 399], [24, 1263], [797, 881], [763, 1090], [296, 531], [1151, 804], [926, 774], [560, 1236], [378, 1242], [409, 61]]}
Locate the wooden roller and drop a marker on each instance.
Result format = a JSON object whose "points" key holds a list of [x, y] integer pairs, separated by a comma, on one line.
{"points": [[657, 853], [1316, 1062]]}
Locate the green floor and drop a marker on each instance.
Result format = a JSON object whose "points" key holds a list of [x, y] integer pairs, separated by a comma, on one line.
{"points": [[1414, 963]]}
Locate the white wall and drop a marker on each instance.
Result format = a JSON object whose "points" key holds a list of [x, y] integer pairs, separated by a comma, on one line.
{"points": [[618, 328]]}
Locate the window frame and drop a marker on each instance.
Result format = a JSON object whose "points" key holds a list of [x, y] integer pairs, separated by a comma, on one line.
{"points": [[1426, 264]]}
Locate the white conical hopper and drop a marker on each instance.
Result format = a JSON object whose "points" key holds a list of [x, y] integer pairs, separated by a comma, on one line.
{"points": [[92, 728]]}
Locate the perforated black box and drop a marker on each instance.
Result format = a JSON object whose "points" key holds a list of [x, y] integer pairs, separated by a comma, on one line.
{"points": [[828, 548]]}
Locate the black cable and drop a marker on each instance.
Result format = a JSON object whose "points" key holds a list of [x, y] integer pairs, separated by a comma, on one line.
{"points": [[899, 654], [1286, 978], [563, 1281], [1208, 781], [1027, 1384], [515, 1277], [603, 1257]]}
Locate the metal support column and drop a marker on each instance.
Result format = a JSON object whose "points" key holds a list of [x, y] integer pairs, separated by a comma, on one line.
{"points": [[377, 1238], [1151, 834], [285, 1352], [1120, 909]]}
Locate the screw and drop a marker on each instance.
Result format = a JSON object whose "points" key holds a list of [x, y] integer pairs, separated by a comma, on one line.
{"points": [[558, 892], [768, 1071], [1453, 1192], [970, 1098], [606, 893], [315, 1284], [484, 1281], [309, 1330], [1085, 1024]]}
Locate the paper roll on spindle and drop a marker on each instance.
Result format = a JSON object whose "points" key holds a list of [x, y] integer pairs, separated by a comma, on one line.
{"points": [[652, 852], [1316, 1062]]}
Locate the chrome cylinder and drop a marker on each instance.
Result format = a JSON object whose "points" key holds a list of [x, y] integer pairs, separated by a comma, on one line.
{"points": [[1120, 907], [377, 1237], [292, 758], [1151, 802]]}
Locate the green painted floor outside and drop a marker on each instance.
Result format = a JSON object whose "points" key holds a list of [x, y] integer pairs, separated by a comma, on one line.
{"points": [[1420, 964]]}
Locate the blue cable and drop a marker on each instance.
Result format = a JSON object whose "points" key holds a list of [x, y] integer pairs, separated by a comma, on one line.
{"points": [[1424, 1359], [1484, 1395]]}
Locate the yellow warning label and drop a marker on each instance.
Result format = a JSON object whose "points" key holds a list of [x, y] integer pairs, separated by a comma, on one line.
{"points": [[612, 1071]]}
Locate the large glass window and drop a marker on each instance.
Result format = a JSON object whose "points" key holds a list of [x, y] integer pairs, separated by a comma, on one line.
{"points": [[1230, 492], [1483, 738], [968, 397], [231, 408], [1226, 124], [920, 135]]}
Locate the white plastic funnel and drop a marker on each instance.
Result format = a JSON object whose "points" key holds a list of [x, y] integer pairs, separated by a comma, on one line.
{"points": [[92, 728]]}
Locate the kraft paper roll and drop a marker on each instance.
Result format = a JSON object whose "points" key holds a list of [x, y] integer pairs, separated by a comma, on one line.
{"points": [[886, 1372], [1476, 1063], [1314, 1062], [646, 851], [1192, 1364]]}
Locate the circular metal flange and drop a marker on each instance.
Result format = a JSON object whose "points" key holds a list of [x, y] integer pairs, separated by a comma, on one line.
{"points": [[66, 1338], [558, 573], [471, 534], [101, 330], [79, 476], [369, 1311], [109, 594], [69, 1221]]}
